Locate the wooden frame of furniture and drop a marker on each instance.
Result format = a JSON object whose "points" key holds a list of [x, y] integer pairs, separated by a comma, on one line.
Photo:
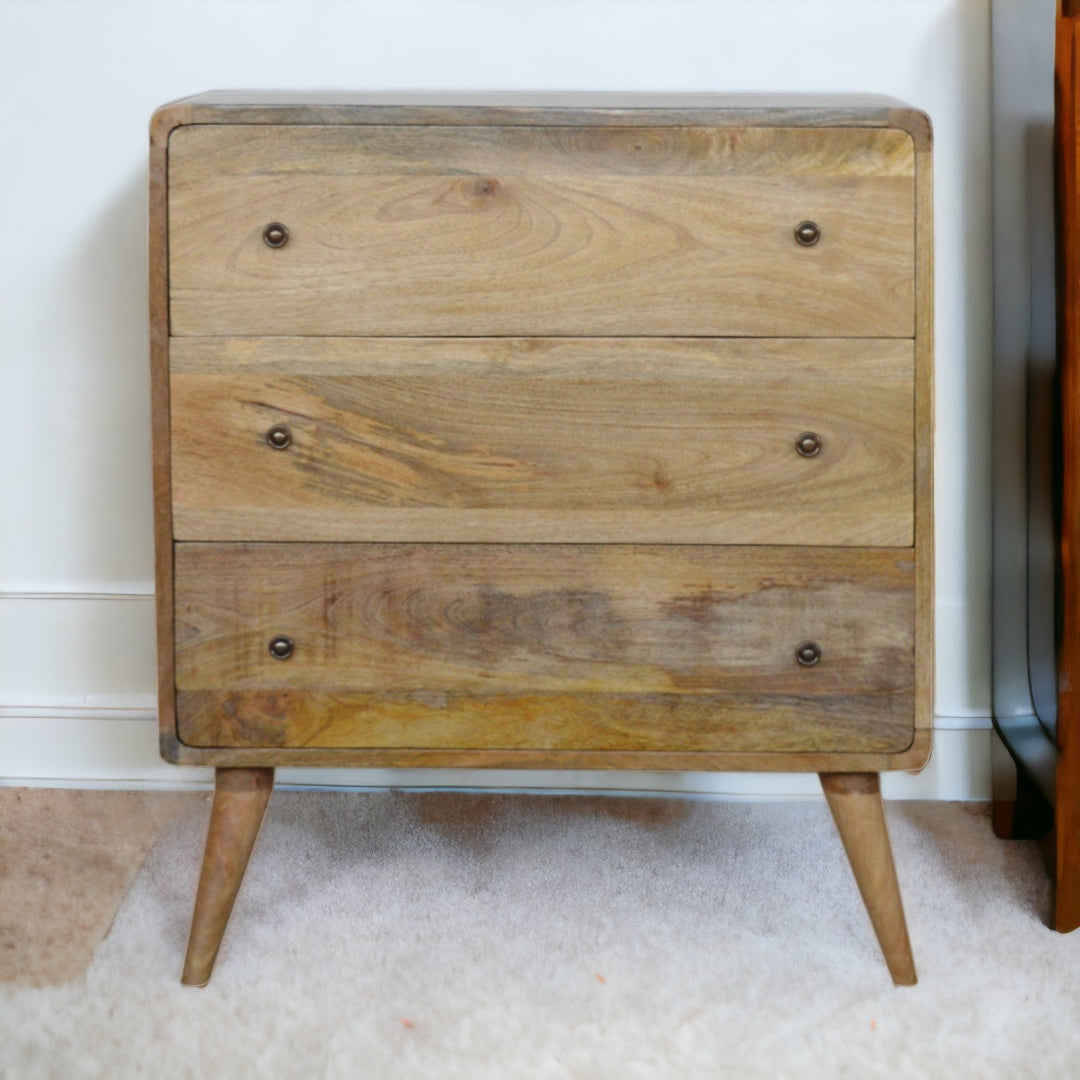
{"points": [[1043, 799], [535, 571], [1067, 786]]}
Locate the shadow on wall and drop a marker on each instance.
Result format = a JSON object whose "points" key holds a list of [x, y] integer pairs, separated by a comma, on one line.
{"points": [[108, 291]]}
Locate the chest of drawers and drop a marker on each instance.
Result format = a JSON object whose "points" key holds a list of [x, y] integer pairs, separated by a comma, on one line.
{"points": [[542, 434]]}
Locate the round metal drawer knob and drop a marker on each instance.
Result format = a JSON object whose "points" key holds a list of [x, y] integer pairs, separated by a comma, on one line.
{"points": [[276, 235], [808, 653], [281, 647], [279, 437], [807, 233], [808, 444]]}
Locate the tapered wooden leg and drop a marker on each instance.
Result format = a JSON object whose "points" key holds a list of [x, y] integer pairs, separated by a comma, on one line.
{"points": [[240, 798], [857, 809]]}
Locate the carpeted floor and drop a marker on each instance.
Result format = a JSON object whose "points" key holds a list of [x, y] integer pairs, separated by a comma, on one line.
{"points": [[67, 859], [480, 936]]}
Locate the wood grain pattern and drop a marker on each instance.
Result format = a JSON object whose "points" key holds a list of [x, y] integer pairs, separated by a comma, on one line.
{"points": [[750, 722], [677, 441], [553, 231], [612, 618], [363, 151], [550, 646]]}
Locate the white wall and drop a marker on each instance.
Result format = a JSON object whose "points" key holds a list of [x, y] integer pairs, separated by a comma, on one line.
{"points": [[78, 81]]}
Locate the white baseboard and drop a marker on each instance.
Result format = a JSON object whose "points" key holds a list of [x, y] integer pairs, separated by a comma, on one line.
{"points": [[65, 646], [101, 746]]}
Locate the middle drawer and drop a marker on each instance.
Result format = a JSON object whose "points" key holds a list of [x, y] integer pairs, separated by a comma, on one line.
{"points": [[743, 441]]}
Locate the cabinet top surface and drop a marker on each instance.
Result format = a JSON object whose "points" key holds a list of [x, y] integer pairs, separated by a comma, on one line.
{"points": [[569, 108]]}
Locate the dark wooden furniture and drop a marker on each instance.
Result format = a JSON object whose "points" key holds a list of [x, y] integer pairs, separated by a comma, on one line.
{"points": [[1044, 803], [1067, 785]]}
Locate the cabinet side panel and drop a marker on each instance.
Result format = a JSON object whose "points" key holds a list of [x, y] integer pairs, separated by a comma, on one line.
{"points": [[161, 126], [924, 444]]}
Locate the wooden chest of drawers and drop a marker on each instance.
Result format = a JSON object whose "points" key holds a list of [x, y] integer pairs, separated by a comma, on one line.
{"points": [[549, 434]]}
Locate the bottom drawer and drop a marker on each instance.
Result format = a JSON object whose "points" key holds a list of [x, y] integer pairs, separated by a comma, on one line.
{"points": [[545, 646]]}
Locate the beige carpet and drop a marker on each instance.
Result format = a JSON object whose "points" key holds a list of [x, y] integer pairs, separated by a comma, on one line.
{"points": [[67, 859], [444, 936]]}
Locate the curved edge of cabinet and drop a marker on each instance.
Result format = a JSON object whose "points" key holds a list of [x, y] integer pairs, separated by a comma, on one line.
{"points": [[913, 758], [544, 109]]}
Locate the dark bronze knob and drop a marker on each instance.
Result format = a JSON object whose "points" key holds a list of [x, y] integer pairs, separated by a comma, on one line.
{"points": [[279, 437], [808, 444], [808, 653], [275, 234], [281, 647], [808, 233]]}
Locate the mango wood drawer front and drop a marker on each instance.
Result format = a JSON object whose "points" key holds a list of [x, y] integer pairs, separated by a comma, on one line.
{"points": [[552, 231], [543, 440], [544, 646]]}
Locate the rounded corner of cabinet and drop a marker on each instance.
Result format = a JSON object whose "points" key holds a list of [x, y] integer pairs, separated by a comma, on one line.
{"points": [[918, 126], [173, 749], [164, 121], [917, 756]]}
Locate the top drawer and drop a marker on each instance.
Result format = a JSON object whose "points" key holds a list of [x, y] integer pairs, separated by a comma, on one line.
{"points": [[553, 231]]}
